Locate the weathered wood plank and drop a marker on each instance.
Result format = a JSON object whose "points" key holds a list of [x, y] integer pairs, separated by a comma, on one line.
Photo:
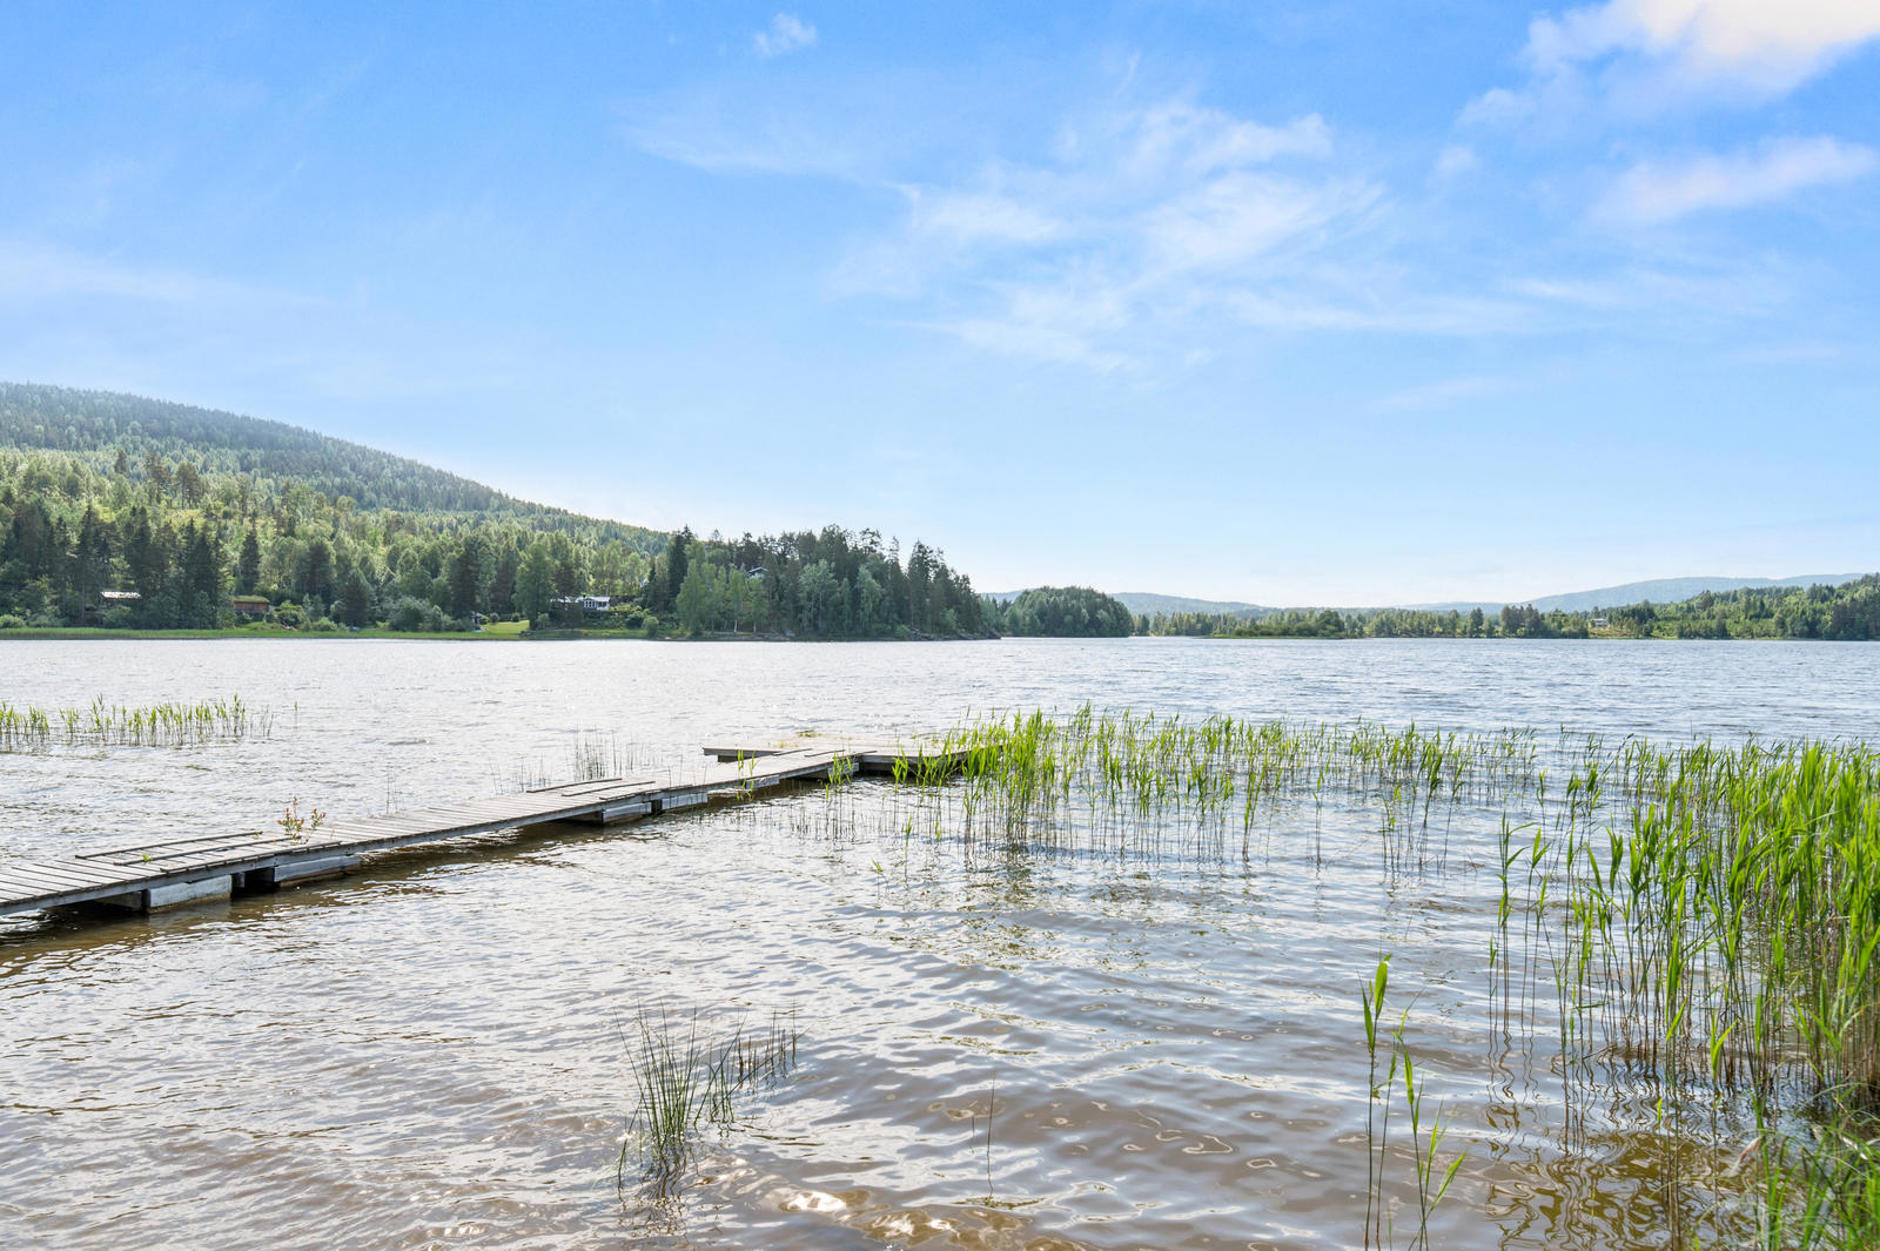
{"points": [[42, 882], [737, 770], [78, 868]]}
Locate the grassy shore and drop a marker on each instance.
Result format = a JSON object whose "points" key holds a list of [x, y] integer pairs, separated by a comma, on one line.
{"points": [[508, 631]]}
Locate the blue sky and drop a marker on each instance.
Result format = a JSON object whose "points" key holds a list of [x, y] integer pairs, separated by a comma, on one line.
{"points": [[1346, 303]]}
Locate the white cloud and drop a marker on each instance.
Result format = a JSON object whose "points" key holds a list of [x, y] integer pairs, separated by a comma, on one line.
{"points": [[1657, 192], [1142, 222], [1738, 289], [970, 217], [786, 33], [1202, 141], [1638, 57], [1767, 45], [1138, 232], [1236, 218]]}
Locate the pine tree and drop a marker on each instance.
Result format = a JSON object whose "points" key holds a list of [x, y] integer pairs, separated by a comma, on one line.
{"points": [[248, 564]]}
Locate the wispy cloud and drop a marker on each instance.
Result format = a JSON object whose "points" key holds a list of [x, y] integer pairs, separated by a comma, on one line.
{"points": [[1148, 232], [1696, 290], [1766, 45], [786, 33], [1637, 57], [823, 128], [1658, 191], [1142, 218], [978, 217]]}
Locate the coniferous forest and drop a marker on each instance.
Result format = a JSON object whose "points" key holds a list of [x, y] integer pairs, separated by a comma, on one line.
{"points": [[1062, 612], [124, 512], [1849, 612], [130, 513]]}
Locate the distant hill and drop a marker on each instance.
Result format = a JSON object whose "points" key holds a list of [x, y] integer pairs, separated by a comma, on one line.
{"points": [[1657, 590], [1148, 603], [122, 512], [1673, 590], [96, 425]]}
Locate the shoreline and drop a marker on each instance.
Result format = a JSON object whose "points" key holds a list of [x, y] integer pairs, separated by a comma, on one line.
{"points": [[81, 634]]}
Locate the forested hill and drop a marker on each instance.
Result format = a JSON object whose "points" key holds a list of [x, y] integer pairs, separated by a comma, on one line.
{"points": [[130, 513], [1848, 612], [99, 426], [1060, 612]]}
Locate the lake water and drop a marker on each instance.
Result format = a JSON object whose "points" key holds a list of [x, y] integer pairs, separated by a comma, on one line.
{"points": [[999, 1047]]}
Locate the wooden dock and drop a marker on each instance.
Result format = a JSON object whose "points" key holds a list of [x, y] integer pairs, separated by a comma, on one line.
{"points": [[168, 874]]}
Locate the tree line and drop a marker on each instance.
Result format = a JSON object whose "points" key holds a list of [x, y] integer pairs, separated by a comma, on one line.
{"points": [[102, 428], [1060, 612], [178, 546], [1848, 612], [832, 584]]}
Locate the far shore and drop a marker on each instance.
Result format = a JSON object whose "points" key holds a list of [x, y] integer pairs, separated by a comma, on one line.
{"points": [[562, 635], [102, 633]]}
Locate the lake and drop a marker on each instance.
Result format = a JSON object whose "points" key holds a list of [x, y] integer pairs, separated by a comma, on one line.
{"points": [[999, 1044]]}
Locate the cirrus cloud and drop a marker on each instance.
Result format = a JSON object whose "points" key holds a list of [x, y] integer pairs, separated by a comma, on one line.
{"points": [[1146, 219], [1657, 192]]}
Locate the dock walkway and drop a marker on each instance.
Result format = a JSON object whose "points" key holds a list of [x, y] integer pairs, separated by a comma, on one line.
{"points": [[179, 871]]}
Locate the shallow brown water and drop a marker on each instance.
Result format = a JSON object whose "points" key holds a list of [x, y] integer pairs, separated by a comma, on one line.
{"points": [[1000, 1046]]}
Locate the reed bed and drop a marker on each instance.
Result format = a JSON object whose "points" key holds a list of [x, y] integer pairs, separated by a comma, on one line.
{"points": [[1697, 922], [687, 1078], [100, 724], [591, 755]]}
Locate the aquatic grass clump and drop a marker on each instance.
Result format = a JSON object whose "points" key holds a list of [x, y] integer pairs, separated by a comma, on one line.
{"points": [[1127, 782], [592, 756], [1426, 1126], [1697, 924], [685, 1078], [172, 724]]}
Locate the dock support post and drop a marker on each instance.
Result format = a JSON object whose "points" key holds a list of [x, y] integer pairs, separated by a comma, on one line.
{"points": [[175, 895], [300, 871]]}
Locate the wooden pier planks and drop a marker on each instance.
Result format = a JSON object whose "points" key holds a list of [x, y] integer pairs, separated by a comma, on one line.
{"points": [[131, 874]]}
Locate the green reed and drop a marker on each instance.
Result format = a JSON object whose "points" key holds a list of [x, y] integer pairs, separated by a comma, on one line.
{"points": [[100, 724], [686, 1078], [1700, 920]]}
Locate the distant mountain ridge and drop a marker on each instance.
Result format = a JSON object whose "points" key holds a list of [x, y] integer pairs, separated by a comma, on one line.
{"points": [[1657, 590], [1149, 603]]}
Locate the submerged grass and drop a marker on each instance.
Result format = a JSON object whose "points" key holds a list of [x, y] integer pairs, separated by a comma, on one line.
{"points": [[99, 724], [591, 756], [1700, 922], [687, 1078]]}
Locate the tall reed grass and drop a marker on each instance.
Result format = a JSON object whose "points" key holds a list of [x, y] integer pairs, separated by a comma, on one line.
{"points": [[1700, 921], [686, 1078], [99, 724]]}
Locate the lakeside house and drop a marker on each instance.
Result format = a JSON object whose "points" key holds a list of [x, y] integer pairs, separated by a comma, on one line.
{"points": [[251, 607], [587, 603], [107, 600]]}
